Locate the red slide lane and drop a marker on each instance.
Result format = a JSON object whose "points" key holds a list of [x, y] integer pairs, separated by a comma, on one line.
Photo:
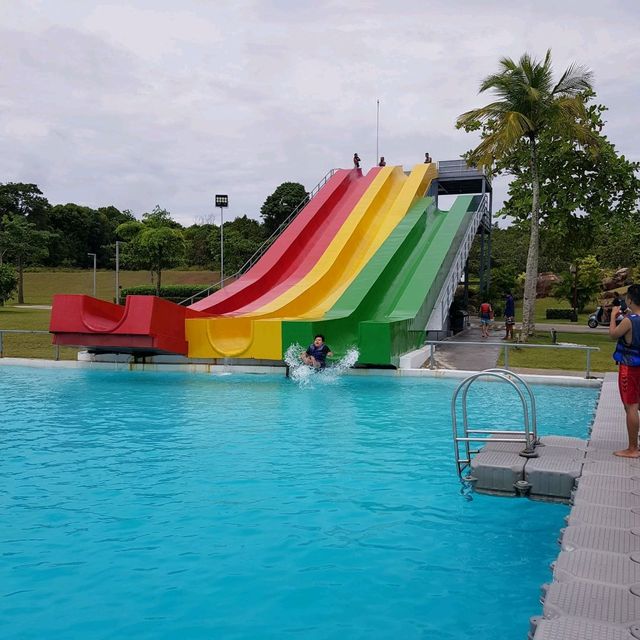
{"points": [[295, 252]]}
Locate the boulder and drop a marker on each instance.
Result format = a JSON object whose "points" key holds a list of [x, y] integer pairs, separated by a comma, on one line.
{"points": [[620, 278], [545, 283]]}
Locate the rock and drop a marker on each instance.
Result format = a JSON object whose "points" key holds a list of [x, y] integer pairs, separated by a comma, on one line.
{"points": [[620, 278], [545, 283]]}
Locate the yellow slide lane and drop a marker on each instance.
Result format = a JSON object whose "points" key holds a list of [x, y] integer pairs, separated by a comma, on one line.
{"points": [[258, 335]]}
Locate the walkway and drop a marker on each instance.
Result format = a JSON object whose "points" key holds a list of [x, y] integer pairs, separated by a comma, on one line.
{"points": [[485, 355], [595, 593], [475, 358]]}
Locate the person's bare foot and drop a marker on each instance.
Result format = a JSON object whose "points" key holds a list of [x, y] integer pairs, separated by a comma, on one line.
{"points": [[627, 453]]}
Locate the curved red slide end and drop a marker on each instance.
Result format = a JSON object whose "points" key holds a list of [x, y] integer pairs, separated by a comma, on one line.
{"points": [[145, 324]]}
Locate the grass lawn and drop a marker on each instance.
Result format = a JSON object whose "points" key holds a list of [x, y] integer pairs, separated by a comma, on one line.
{"points": [[564, 358], [30, 346], [39, 287], [542, 304]]}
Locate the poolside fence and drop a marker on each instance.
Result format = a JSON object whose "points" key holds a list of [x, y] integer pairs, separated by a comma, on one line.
{"points": [[33, 345], [507, 346]]}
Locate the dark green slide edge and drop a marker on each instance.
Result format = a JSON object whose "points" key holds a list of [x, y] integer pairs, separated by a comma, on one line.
{"points": [[385, 309]]}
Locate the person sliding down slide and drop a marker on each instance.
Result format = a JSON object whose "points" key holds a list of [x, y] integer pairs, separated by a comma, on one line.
{"points": [[316, 354]]}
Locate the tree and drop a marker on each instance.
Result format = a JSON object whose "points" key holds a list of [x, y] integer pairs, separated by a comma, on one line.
{"points": [[8, 282], [587, 282], [22, 243], [617, 241], [528, 105], [580, 193], [280, 204], [153, 244], [77, 233], [242, 238], [198, 245], [18, 198], [160, 217]]}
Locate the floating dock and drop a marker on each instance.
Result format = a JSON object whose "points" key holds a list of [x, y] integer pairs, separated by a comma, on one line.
{"points": [[595, 593]]}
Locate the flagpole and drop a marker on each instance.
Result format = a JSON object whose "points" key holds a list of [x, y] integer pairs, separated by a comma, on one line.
{"points": [[377, 130]]}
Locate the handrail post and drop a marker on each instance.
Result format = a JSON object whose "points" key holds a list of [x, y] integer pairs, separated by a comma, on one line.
{"points": [[588, 363], [57, 352], [506, 356], [1, 344], [432, 356]]}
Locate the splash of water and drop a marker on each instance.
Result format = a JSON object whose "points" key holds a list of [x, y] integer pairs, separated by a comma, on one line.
{"points": [[304, 375]]}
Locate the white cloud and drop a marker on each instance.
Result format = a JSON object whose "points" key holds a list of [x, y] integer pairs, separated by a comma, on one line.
{"points": [[140, 103]]}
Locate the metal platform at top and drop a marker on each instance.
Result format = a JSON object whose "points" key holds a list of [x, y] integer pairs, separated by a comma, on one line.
{"points": [[455, 177]]}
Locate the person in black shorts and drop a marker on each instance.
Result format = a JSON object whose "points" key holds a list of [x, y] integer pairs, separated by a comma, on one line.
{"points": [[316, 354], [356, 161]]}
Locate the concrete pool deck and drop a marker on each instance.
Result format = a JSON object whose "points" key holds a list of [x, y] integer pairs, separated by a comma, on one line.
{"points": [[595, 593]]}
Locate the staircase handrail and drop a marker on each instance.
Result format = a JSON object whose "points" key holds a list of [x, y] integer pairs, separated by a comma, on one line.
{"points": [[529, 435], [262, 249]]}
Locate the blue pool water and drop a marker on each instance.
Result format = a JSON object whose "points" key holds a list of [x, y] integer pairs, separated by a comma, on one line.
{"points": [[146, 505]]}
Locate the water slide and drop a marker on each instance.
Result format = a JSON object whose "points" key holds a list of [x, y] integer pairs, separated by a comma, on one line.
{"points": [[258, 332], [146, 323], [296, 250], [385, 310], [363, 263]]}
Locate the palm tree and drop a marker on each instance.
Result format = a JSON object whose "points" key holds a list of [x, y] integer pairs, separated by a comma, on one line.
{"points": [[529, 104]]}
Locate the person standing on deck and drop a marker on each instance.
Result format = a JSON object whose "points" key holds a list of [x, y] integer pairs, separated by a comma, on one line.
{"points": [[627, 355], [486, 316], [509, 316]]}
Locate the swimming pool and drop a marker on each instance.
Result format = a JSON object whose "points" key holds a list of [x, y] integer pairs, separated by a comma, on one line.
{"points": [[153, 505]]}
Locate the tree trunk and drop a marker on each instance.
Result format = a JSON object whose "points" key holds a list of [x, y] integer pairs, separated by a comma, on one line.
{"points": [[531, 278], [159, 273], [20, 282]]}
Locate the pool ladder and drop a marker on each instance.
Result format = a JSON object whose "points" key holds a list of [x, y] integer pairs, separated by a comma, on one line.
{"points": [[463, 435]]}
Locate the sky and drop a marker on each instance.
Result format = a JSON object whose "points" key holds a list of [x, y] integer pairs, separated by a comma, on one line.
{"points": [[141, 103]]}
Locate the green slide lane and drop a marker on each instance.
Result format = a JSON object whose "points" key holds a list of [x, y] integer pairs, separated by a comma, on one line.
{"points": [[385, 309]]}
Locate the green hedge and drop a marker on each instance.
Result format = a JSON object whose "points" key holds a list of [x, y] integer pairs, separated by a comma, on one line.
{"points": [[562, 314], [172, 292]]}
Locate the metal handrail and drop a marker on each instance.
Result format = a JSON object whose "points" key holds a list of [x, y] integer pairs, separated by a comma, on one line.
{"points": [[507, 345], [262, 249], [532, 398], [3, 331], [528, 436]]}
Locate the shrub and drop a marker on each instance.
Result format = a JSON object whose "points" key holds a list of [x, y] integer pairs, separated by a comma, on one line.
{"points": [[174, 293], [562, 314], [8, 282]]}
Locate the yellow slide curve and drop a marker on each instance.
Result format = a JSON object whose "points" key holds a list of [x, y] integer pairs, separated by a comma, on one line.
{"points": [[258, 334]]}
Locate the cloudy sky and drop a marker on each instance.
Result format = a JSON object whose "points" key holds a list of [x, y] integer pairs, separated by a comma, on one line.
{"points": [[142, 102]]}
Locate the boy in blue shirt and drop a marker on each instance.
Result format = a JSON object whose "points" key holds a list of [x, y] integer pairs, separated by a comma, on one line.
{"points": [[316, 354]]}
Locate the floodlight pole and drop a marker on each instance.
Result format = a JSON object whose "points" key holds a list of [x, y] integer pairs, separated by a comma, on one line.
{"points": [[94, 272], [221, 246], [222, 201], [118, 271], [377, 130]]}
